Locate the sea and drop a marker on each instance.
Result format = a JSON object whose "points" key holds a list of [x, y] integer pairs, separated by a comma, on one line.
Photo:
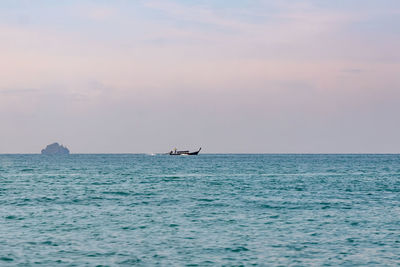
{"points": [[205, 210]]}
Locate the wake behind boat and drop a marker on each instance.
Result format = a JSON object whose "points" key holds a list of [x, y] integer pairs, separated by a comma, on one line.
{"points": [[183, 152]]}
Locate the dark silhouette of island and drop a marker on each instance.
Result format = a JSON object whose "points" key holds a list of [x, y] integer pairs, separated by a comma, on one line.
{"points": [[55, 149]]}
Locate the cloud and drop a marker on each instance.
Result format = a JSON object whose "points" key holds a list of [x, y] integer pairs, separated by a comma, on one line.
{"points": [[353, 71], [18, 91], [95, 12], [136, 71]]}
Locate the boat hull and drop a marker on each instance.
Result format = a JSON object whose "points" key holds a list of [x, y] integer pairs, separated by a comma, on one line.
{"points": [[184, 153]]}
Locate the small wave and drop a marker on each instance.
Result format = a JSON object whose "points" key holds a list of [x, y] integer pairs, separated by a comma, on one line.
{"points": [[237, 249], [205, 199], [128, 228], [99, 254], [172, 179], [27, 170], [267, 206], [132, 261], [119, 193], [13, 217], [6, 259], [49, 243]]}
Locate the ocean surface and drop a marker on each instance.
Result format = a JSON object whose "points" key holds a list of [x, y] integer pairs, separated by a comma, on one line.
{"points": [[206, 210]]}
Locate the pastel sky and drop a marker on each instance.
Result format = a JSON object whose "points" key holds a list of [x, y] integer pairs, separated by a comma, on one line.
{"points": [[256, 76]]}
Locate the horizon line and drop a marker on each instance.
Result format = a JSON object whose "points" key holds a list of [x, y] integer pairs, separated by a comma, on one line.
{"points": [[223, 153]]}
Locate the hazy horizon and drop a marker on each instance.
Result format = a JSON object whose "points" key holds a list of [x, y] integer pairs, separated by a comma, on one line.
{"points": [[203, 153], [231, 77]]}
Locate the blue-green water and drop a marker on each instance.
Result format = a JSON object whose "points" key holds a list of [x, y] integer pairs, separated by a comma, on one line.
{"points": [[289, 210]]}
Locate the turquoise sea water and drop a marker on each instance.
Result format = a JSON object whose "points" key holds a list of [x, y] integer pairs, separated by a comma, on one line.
{"points": [[209, 210]]}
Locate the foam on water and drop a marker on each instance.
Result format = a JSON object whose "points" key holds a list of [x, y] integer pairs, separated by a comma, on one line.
{"points": [[206, 210]]}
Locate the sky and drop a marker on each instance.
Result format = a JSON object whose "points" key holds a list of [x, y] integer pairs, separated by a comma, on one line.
{"points": [[248, 76]]}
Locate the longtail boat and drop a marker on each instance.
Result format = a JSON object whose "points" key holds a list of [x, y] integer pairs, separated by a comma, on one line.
{"points": [[183, 152]]}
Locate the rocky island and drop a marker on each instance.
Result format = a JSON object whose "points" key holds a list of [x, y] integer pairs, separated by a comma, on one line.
{"points": [[55, 149]]}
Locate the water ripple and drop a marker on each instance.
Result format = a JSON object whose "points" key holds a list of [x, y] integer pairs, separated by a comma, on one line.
{"points": [[210, 210]]}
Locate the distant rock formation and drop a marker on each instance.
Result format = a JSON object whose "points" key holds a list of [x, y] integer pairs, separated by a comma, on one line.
{"points": [[55, 149]]}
